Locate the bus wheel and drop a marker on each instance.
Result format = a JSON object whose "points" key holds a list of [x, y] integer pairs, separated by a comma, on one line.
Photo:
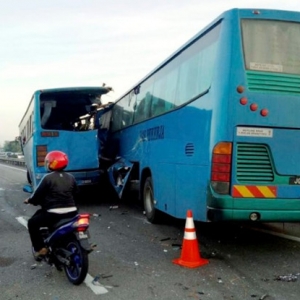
{"points": [[148, 197], [28, 177]]}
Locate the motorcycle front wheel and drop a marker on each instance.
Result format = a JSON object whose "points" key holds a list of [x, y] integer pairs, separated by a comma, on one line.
{"points": [[78, 266]]}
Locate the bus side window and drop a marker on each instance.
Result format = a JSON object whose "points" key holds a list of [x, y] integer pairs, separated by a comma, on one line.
{"points": [[117, 118], [143, 109], [126, 118], [140, 111], [158, 107], [125, 114]]}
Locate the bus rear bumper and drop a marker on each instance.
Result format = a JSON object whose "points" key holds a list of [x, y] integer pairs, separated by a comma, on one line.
{"points": [[87, 178]]}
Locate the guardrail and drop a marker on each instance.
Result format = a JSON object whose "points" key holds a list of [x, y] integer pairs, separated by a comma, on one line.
{"points": [[12, 161]]}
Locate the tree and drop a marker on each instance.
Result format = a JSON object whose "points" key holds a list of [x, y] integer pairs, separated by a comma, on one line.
{"points": [[12, 146]]}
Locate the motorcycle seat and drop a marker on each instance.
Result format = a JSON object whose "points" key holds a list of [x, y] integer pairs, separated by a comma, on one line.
{"points": [[62, 222]]}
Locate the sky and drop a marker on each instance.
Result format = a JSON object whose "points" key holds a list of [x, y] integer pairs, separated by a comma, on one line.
{"points": [[66, 43]]}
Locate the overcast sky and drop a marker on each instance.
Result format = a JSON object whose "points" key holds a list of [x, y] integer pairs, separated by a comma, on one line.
{"points": [[64, 43]]}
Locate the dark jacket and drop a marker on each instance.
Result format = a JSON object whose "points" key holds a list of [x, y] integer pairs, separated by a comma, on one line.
{"points": [[56, 190]]}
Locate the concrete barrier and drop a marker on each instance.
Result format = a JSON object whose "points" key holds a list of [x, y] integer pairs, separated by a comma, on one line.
{"points": [[12, 161]]}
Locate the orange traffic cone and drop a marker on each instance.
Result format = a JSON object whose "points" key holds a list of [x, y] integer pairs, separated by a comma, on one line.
{"points": [[190, 255]]}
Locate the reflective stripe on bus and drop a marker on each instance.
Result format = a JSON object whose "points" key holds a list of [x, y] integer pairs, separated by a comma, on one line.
{"points": [[254, 191]]}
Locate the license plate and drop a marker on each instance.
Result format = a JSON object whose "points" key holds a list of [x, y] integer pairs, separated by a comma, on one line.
{"points": [[83, 235], [87, 181], [295, 180]]}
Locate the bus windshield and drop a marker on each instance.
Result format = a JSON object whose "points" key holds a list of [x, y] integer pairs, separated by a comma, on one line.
{"points": [[271, 46]]}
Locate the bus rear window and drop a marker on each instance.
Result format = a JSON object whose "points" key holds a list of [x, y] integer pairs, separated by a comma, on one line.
{"points": [[271, 46], [71, 110]]}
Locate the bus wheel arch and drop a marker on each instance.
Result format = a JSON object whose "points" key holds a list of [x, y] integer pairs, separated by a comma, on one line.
{"points": [[152, 214]]}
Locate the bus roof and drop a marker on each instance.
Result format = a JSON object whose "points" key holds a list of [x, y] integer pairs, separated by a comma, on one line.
{"points": [[99, 89]]}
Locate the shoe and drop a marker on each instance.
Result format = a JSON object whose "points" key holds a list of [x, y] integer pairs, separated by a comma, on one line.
{"points": [[42, 252]]}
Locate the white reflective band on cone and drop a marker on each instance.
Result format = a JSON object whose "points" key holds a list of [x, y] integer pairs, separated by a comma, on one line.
{"points": [[189, 235], [189, 223]]}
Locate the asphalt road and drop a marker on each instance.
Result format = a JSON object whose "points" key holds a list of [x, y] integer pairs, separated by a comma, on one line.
{"points": [[133, 259]]}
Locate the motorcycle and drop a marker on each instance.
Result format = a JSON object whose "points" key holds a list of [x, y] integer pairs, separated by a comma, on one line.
{"points": [[68, 246]]}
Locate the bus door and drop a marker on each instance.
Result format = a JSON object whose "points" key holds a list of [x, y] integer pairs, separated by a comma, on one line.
{"points": [[119, 174], [266, 163]]}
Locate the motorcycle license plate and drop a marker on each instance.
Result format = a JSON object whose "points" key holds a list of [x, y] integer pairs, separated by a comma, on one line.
{"points": [[83, 235]]}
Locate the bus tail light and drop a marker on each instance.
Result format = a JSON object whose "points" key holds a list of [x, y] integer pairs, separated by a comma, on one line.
{"points": [[41, 152], [221, 167]]}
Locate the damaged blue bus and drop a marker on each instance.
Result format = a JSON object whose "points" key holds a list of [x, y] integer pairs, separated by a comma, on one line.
{"points": [[63, 119], [215, 128]]}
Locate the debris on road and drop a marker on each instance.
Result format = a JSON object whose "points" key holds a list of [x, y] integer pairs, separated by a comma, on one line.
{"points": [[96, 279], [113, 207], [176, 246], [287, 278], [165, 239]]}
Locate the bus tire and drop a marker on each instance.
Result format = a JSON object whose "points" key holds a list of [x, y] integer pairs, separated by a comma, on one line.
{"points": [[151, 212], [28, 177]]}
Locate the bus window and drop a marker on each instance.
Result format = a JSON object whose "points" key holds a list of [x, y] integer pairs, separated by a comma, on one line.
{"points": [[271, 46], [143, 101], [157, 107], [63, 110], [196, 66], [164, 91]]}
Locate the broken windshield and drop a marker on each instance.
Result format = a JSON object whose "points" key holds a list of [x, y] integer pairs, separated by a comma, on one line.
{"points": [[69, 110]]}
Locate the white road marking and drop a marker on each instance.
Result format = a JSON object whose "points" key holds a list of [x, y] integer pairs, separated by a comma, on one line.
{"points": [[282, 235], [98, 289], [22, 221]]}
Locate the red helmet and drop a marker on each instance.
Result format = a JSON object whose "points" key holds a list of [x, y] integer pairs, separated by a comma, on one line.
{"points": [[56, 160]]}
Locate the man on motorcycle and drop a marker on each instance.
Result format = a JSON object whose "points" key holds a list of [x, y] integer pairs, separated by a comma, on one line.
{"points": [[55, 194]]}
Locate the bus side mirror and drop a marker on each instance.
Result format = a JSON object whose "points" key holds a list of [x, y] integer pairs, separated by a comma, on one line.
{"points": [[27, 188]]}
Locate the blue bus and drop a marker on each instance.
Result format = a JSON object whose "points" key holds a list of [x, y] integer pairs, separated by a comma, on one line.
{"points": [[63, 119], [215, 128]]}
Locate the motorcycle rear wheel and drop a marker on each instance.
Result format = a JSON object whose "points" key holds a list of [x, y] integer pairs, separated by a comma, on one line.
{"points": [[79, 263]]}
